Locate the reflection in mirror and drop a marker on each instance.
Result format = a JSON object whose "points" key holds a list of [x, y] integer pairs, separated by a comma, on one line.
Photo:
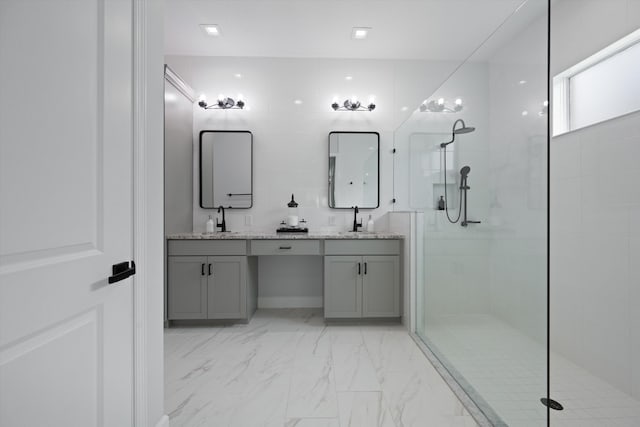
{"points": [[226, 169], [354, 163]]}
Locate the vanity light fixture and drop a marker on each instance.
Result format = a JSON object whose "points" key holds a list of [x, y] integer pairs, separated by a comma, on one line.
{"points": [[440, 106], [352, 104], [223, 103]]}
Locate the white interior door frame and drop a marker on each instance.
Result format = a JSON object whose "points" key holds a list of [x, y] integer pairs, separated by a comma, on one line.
{"points": [[147, 164]]}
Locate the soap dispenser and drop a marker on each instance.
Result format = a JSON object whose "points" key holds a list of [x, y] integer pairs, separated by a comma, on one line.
{"points": [[441, 203], [210, 225], [370, 225]]}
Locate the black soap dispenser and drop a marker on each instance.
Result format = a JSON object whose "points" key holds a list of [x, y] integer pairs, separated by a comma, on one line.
{"points": [[441, 203]]}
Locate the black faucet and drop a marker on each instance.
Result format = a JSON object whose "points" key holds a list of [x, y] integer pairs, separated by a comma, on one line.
{"points": [[356, 224], [221, 225]]}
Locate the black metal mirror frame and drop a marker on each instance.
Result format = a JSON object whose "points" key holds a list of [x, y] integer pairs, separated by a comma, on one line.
{"points": [[200, 166], [329, 168]]}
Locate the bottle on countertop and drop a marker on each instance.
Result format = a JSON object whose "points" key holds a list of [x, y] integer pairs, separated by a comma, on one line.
{"points": [[210, 225], [441, 203], [370, 225]]}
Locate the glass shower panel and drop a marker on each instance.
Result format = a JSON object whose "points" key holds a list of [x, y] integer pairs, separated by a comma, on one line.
{"points": [[482, 287]]}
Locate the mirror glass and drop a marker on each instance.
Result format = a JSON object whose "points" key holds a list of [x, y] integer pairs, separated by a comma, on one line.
{"points": [[226, 159], [354, 163]]}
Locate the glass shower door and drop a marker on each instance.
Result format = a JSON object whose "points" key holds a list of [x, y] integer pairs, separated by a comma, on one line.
{"points": [[482, 277]]}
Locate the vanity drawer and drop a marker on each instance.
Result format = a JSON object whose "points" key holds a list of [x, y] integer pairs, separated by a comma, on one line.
{"points": [[207, 247], [285, 247], [362, 247]]}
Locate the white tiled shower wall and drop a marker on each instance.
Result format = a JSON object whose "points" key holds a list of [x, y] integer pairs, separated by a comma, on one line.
{"points": [[595, 212]]}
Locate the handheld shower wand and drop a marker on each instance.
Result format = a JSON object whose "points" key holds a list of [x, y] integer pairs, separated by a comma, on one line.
{"points": [[464, 173]]}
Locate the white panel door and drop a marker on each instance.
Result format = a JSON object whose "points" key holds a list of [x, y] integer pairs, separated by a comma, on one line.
{"points": [[65, 212]]}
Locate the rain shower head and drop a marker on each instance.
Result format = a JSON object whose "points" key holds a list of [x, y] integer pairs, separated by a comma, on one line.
{"points": [[458, 131], [464, 130]]}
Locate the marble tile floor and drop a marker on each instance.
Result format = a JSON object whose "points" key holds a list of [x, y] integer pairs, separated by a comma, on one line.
{"points": [[508, 369], [287, 368]]}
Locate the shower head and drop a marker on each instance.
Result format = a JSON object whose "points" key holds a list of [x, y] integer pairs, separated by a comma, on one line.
{"points": [[457, 131], [465, 171], [464, 129]]}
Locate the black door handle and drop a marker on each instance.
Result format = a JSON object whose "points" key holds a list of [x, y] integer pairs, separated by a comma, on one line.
{"points": [[365, 268], [359, 271], [209, 269], [121, 271], [202, 269]]}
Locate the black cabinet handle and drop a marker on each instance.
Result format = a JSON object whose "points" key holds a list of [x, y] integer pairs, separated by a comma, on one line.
{"points": [[365, 268], [121, 271], [202, 269], [209, 269], [285, 247], [359, 271]]}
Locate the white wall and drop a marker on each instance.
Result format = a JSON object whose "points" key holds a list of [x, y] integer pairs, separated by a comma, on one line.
{"points": [[291, 141], [595, 212]]}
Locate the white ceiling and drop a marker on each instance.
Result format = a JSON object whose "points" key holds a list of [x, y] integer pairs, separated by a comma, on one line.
{"points": [[402, 29]]}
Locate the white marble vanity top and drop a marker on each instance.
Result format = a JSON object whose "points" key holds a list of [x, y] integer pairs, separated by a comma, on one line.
{"points": [[248, 235]]}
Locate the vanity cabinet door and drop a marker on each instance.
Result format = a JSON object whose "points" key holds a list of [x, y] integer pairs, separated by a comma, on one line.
{"points": [[381, 286], [187, 287], [342, 286], [227, 287]]}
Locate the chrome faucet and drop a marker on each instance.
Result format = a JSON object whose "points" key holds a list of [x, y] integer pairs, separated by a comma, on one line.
{"points": [[221, 225], [356, 224]]}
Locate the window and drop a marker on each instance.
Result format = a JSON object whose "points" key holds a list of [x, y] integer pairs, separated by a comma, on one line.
{"points": [[603, 86]]}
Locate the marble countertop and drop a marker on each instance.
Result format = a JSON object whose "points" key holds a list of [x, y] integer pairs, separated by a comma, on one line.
{"points": [[248, 235]]}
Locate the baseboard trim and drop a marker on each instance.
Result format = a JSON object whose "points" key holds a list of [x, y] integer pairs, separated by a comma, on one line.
{"points": [[290, 302], [164, 421]]}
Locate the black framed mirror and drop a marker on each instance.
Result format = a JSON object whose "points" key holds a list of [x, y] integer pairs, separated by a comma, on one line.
{"points": [[226, 169], [354, 170]]}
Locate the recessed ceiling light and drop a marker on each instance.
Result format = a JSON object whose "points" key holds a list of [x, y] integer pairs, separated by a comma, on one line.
{"points": [[348, 78], [522, 82], [211, 29], [525, 113], [297, 101], [237, 76], [360, 33], [404, 108]]}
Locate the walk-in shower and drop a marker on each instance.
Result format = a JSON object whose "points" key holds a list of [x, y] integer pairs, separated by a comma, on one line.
{"points": [[481, 293]]}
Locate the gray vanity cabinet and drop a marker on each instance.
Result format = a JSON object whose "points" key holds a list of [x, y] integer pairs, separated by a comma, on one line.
{"points": [[227, 288], [381, 286], [342, 286], [358, 283], [187, 287], [214, 284]]}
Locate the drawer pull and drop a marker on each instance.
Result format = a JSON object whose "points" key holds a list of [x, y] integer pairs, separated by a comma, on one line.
{"points": [[359, 269], [365, 268], [209, 269], [202, 269], [285, 247]]}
